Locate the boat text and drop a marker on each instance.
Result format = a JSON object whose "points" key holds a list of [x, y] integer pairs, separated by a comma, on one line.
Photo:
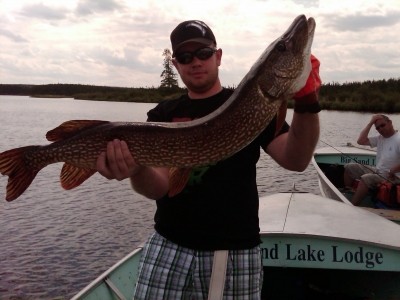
{"points": [[334, 254], [363, 161]]}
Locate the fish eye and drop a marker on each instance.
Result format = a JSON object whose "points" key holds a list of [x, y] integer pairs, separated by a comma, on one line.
{"points": [[281, 46]]}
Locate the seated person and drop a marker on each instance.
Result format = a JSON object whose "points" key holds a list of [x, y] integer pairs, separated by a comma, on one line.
{"points": [[387, 158]]}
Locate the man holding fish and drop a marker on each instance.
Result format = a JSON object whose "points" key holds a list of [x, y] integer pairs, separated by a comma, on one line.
{"points": [[205, 209]]}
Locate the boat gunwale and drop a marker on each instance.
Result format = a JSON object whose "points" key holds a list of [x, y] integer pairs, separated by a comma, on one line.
{"points": [[328, 182], [99, 280]]}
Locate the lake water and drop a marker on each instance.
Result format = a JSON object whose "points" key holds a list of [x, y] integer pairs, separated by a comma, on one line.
{"points": [[54, 242]]}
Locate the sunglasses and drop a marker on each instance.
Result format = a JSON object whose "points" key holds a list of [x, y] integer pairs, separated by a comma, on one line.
{"points": [[380, 126], [185, 58]]}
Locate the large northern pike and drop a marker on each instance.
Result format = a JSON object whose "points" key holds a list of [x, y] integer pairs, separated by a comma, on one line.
{"points": [[280, 71]]}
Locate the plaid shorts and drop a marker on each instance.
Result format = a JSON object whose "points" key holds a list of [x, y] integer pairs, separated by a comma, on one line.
{"points": [[169, 271]]}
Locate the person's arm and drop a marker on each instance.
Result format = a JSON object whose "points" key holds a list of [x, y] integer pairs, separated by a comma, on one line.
{"points": [[293, 150], [118, 163], [363, 137]]}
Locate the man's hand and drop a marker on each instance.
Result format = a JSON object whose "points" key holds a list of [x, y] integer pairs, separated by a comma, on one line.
{"points": [[306, 100], [117, 162], [375, 118]]}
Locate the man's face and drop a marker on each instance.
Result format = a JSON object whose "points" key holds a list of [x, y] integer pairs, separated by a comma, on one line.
{"points": [[384, 127], [199, 75]]}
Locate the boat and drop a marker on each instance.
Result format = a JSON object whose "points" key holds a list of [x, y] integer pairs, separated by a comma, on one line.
{"points": [[312, 248], [329, 163]]}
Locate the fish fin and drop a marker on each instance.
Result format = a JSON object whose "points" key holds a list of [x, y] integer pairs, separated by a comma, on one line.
{"points": [[70, 128], [72, 176], [20, 176], [178, 178], [281, 117]]}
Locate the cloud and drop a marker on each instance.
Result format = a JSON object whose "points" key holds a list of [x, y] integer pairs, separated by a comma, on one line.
{"points": [[120, 42], [14, 37], [307, 3], [41, 11], [362, 22], [87, 7]]}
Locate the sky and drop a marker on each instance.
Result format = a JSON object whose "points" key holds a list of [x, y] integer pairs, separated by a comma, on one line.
{"points": [[120, 42]]}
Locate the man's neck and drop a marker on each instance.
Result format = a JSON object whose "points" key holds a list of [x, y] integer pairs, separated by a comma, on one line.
{"points": [[391, 134], [215, 89]]}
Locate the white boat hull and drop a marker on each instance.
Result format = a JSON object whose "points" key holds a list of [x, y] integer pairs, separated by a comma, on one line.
{"points": [[306, 238]]}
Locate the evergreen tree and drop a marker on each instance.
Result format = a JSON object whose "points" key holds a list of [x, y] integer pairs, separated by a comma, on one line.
{"points": [[168, 76]]}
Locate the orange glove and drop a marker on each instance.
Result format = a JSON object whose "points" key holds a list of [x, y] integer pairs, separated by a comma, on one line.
{"points": [[306, 100]]}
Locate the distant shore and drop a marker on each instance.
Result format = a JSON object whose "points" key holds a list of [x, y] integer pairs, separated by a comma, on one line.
{"points": [[91, 92], [369, 96]]}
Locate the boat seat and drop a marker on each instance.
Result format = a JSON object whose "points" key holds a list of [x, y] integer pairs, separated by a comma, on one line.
{"points": [[115, 290]]}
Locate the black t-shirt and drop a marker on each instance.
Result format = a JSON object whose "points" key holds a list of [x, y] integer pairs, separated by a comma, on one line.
{"points": [[218, 208]]}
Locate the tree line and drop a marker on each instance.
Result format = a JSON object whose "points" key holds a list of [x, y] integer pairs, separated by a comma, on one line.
{"points": [[92, 92], [369, 96], [168, 89]]}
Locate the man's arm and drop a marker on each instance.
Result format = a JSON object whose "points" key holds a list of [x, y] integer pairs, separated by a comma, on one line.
{"points": [[293, 150], [363, 137], [118, 163]]}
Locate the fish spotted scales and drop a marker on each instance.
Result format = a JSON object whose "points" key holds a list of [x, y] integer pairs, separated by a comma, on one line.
{"points": [[281, 70]]}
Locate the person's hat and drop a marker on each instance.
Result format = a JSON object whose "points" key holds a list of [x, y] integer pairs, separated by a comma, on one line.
{"points": [[191, 31]]}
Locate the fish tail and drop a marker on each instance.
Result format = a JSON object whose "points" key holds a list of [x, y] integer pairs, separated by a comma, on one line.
{"points": [[20, 176]]}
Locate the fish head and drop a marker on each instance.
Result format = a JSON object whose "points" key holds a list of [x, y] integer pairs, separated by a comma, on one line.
{"points": [[285, 65]]}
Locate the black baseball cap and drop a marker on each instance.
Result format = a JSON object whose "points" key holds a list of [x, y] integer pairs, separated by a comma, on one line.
{"points": [[191, 31]]}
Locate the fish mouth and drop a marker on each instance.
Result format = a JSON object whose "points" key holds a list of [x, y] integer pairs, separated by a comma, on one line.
{"points": [[311, 30], [300, 34], [298, 40]]}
